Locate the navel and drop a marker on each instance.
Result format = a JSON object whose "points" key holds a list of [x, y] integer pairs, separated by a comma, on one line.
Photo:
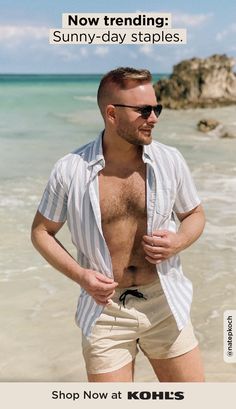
{"points": [[132, 268]]}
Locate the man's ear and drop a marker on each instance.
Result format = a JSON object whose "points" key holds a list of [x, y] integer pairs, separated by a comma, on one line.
{"points": [[110, 113]]}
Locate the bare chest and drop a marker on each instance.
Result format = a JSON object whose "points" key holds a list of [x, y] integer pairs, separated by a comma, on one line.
{"points": [[122, 196]]}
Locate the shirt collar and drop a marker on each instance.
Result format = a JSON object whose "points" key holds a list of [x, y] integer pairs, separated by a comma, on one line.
{"points": [[97, 152], [98, 157], [147, 153]]}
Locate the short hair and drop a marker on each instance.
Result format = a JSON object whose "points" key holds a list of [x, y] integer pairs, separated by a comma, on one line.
{"points": [[120, 77]]}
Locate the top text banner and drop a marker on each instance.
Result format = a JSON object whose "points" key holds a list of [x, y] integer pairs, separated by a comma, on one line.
{"points": [[116, 20]]}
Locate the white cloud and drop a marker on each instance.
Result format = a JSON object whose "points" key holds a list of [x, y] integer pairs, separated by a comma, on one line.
{"points": [[146, 49], [187, 20], [225, 33], [16, 37], [84, 52], [151, 52], [101, 51], [16, 34], [190, 20], [183, 53], [68, 54]]}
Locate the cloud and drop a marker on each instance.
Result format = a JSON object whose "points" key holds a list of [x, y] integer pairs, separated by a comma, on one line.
{"points": [[227, 32], [84, 52], [18, 39], [183, 53], [68, 55], [16, 34], [101, 51], [146, 49], [151, 52], [190, 20], [187, 20]]}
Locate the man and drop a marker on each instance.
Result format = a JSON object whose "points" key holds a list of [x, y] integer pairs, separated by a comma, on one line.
{"points": [[120, 195]]}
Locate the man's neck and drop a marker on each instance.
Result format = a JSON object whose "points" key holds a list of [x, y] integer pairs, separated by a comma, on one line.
{"points": [[117, 150]]}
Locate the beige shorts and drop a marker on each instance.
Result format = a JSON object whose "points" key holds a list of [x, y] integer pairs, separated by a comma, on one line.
{"points": [[144, 323]]}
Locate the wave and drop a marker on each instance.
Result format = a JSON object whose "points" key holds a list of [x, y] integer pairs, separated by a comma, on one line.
{"points": [[85, 98]]}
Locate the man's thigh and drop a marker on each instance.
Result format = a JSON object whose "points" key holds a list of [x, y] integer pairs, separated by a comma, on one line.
{"points": [[183, 368]]}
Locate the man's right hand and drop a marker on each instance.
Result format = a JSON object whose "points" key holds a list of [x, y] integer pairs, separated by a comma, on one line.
{"points": [[100, 287]]}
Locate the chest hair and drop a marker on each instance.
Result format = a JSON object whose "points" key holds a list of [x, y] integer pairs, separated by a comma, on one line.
{"points": [[122, 197]]}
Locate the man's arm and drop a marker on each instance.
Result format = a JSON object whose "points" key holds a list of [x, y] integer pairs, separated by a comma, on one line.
{"points": [[43, 233], [164, 244]]}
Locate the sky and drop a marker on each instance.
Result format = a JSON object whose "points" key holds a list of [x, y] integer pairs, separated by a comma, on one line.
{"points": [[25, 24]]}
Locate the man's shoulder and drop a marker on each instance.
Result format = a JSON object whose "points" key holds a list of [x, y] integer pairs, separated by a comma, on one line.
{"points": [[85, 150], [74, 164], [160, 149], [165, 157], [83, 153]]}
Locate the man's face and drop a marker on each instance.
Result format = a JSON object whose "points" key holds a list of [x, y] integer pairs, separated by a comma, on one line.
{"points": [[130, 125]]}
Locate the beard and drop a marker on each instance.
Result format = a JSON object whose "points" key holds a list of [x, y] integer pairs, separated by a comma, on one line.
{"points": [[135, 136]]}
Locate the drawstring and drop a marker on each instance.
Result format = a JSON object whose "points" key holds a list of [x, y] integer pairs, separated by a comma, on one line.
{"points": [[135, 293]]}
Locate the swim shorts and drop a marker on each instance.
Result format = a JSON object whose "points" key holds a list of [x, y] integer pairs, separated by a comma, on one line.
{"points": [[138, 317]]}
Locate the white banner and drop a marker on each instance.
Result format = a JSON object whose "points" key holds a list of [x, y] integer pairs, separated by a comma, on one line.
{"points": [[138, 395]]}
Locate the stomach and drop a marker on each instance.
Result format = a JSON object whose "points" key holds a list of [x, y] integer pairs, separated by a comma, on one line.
{"points": [[124, 241]]}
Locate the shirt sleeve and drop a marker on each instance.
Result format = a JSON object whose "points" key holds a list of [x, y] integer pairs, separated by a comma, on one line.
{"points": [[186, 197], [53, 204]]}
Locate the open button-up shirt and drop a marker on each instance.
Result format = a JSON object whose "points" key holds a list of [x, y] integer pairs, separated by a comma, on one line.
{"points": [[72, 194]]}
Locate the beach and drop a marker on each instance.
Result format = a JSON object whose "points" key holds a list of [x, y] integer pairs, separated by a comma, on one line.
{"points": [[42, 119]]}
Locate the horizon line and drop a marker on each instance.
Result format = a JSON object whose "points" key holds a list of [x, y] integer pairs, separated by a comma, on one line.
{"points": [[66, 73]]}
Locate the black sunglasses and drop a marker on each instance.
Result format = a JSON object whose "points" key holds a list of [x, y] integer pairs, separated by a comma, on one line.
{"points": [[145, 110]]}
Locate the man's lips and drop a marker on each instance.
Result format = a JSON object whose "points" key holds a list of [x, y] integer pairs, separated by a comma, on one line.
{"points": [[146, 130], [149, 128]]}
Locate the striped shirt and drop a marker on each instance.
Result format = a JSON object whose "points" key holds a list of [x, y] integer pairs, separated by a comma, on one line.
{"points": [[72, 194]]}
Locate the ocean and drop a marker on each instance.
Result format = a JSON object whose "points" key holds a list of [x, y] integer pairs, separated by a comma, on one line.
{"points": [[43, 117]]}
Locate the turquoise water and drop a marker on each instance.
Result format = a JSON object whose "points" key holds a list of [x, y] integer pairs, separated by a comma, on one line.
{"points": [[41, 119], [53, 113]]}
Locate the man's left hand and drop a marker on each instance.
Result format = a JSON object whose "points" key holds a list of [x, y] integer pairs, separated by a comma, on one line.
{"points": [[161, 245]]}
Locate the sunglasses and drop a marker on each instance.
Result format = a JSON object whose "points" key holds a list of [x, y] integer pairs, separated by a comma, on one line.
{"points": [[145, 110]]}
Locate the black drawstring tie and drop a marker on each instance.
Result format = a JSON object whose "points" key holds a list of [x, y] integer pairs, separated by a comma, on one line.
{"points": [[135, 293]]}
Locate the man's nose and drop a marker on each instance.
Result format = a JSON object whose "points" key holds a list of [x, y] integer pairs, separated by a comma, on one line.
{"points": [[152, 117]]}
